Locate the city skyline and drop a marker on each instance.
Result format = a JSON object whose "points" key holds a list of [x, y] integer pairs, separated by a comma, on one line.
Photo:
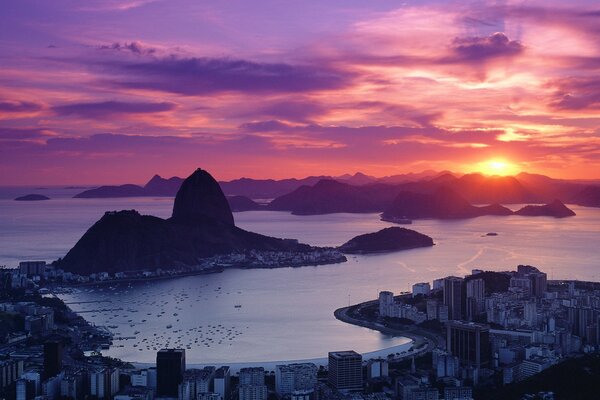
{"points": [[113, 92]]}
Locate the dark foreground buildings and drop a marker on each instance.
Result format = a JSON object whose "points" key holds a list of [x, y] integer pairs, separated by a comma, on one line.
{"points": [[170, 366]]}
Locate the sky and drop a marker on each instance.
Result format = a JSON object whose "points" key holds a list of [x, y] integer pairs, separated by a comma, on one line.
{"points": [[106, 91]]}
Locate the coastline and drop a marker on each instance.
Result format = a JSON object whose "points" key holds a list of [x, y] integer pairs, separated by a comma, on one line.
{"points": [[206, 271], [423, 341], [270, 365]]}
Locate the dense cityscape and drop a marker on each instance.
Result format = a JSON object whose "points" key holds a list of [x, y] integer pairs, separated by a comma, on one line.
{"points": [[471, 335]]}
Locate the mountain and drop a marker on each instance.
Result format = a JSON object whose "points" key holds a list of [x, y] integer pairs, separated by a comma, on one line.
{"points": [[555, 209], [475, 188], [32, 197], [548, 188], [200, 199], [480, 189], [330, 196], [266, 188], [157, 186], [386, 240], [444, 203], [127, 190], [589, 197], [202, 225], [243, 203], [357, 179]]}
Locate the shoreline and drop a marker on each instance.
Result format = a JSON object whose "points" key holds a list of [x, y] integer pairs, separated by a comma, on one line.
{"points": [[270, 365], [211, 270], [423, 341]]}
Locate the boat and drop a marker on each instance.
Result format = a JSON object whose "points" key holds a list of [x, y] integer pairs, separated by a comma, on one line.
{"points": [[238, 306], [169, 326]]}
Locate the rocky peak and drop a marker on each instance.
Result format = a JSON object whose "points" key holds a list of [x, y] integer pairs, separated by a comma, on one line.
{"points": [[200, 198]]}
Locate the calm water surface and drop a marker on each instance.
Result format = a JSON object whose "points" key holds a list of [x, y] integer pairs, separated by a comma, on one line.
{"points": [[285, 313]]}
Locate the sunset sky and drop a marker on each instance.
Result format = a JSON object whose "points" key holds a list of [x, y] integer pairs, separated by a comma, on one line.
{"points": [[106, 91]]}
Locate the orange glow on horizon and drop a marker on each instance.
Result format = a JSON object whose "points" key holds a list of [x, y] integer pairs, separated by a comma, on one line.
{"points": [[497, 166]]}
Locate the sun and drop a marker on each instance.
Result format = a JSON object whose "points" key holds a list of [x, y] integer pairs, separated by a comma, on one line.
{"points": [[497, 167]]}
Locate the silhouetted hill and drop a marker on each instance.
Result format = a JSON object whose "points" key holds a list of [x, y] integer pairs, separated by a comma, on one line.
{"points": [[330, 196], [555, 209], [444, 203], [32, 197], [589, 197], [158, 186], [386, 240], [202, 226], [357, 179], [266, 188], [480, 189], [127, 190], [243, 203], [548, 188], [200, 198]]}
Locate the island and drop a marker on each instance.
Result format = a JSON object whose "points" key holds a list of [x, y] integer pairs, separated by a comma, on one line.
{"points": [[555, 209], [200, 234], [386, 240], [32, 197]]}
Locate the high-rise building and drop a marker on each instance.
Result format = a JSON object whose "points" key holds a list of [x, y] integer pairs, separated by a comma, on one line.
{"points": [[53, 352], [104, 383], [377, 368], [345, 370], [386, 303], [170, 366], [252, 376], [221, 382], [421, 288], [469, 342], [530, 313], [252, 384], [297, 377], [73, 385], [32, 267], [432, 309], [453, 297], [10, 371], [199, 381], [475, 298], [25, 389], [539, 284], [458, 393]]}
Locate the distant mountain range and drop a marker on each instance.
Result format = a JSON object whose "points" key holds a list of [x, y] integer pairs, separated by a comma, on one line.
{"points": [[363, 193]]}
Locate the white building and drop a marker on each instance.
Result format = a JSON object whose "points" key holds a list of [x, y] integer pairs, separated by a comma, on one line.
{"points": [[422, 288], [295, 377]]}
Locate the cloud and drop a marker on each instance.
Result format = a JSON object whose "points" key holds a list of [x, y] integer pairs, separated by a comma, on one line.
{"points": [[20, 134], [107, 108], [479, 49], [19, 106], [133, 47], [206, 76], [577, 93]]}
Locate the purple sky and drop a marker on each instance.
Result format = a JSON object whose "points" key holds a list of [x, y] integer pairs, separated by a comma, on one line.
{"points": [[106, 91]]}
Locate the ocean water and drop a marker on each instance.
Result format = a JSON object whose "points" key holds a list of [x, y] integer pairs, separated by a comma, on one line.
{"points": [[286, 313]]}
